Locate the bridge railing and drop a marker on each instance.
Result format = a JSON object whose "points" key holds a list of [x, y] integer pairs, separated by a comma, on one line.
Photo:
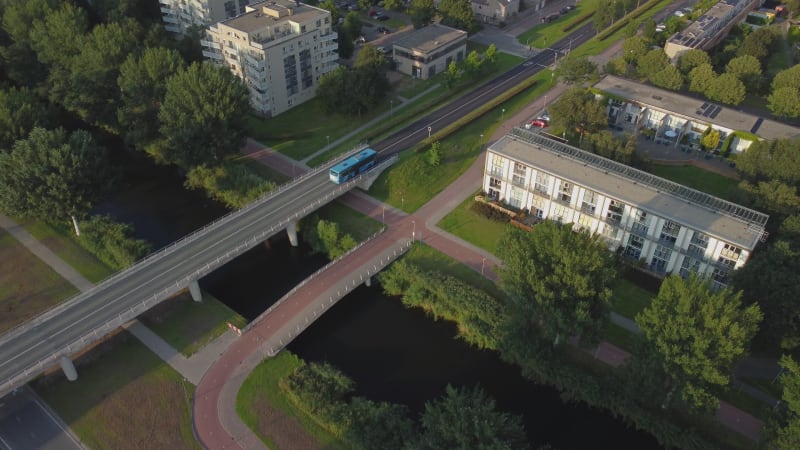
{"points": [[180, 283], [384, 261], [169, 248]]}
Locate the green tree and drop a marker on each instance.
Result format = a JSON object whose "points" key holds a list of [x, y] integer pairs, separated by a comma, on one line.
{"points": [[143, 84], [633, 48], [379, 425], [691, 59], [469, 419], [353, 25], [773, 196], [698, 334], [787, 78], [577, 110], [421, 12], [668, 78], [770, 279], [577, 69], [330, 6], [472, 63], [53, 176], [346, 45], [59, 37], [559, 281], [651, 63], [203, 115], [747, 69], [726, 88], [784, 430], [785, 102], [757, 43], [701, 78], [490, 55], [435, 154], [774, 159], [20, 112], [710, 139], [453, 75], [393, 4], [457, 13], [18, 59]]}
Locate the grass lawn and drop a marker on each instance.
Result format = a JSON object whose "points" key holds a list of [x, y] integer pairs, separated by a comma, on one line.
{"points": [[350, 221], [412, 182], [264, 171], [438, 97], [59, 239], [27, 285], [543, 35], [473, 227], [628, 299], [260, 402], [125, 398], [696, 178], [188, 325]]}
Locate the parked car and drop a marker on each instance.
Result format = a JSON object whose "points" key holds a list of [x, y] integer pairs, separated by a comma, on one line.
{"points": [[539, 123], [550, 18], [383, 50], [545, 116], [384, 30], [569, 7], [564, 10], [383, 17]]}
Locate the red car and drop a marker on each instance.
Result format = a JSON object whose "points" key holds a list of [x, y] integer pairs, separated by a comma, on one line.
{"points": [[536, 123]]}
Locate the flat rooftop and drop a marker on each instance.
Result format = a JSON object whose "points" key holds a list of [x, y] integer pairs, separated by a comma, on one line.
{"points": [[429, 38], [703, 212], [695, 109], [696, 33], [255, 19]]}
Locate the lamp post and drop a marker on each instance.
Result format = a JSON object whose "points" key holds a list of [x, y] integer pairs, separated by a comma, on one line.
{"points": [[413, 230], [483, 265], [429, 131], [545, 100], [481, 142], [329, 140], [502, 114], [391, 108]]}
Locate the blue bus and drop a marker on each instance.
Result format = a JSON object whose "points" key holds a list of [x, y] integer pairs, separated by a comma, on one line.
{"points": [[354, 165]]}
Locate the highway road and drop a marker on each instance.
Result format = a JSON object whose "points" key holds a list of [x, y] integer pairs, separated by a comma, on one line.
{"points": [[448, 114], [36, 344]]}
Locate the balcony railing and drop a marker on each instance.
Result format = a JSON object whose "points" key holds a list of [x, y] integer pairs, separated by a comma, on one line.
{"points": [[639, 229], [563, 201], [211, 55]]}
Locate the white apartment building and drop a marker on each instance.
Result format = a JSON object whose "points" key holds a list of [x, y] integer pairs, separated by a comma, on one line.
{"points": [[179, 15], [280, 48], [670, 228]]}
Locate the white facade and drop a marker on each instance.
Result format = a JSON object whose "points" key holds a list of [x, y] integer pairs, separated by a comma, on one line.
{"points": [[679, 232], [179, 15], [279, 48]]}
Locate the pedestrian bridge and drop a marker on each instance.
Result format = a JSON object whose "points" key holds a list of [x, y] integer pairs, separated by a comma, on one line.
{"points": [[76, 323]]}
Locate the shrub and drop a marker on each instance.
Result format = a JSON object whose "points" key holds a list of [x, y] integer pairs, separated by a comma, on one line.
{"points": [[579, 20], [486, 210], [232, 183], [111, 242], [325, 237]]}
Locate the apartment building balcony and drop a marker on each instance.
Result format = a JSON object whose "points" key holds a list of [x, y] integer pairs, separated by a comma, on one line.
{"points": [[563, 201], [696, 252], [328, 37], [187, 17], [166, 10], [213, 55], [253, 62], [172, 28], [171, 19], [210, 44], [332, 57], [589, 210], [639, 230]]}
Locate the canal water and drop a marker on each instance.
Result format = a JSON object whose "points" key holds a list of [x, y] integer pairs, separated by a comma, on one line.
{"points": [[392, 353]]}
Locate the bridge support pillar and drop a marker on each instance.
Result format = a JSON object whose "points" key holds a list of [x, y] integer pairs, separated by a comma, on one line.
{"points": [[68, 368], [194, 289], [291, 230], [368, 283]]}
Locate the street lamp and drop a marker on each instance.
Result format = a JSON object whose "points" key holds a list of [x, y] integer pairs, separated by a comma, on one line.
{"points": [[383, 214], [413, 230], [481, 143], [391, 108], [329, 140], [483, 265], [502, 114], [545, 100], [429, 131]]}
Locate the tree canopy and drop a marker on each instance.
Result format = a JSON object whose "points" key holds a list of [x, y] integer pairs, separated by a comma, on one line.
{"points": [[20, 112], [576, 69], [457, 13], [775, 159], [354, 92], [202, 116], [421, 12], [698, 334], [559, 281], [784, 429], [701, 78], [747, 69], [691, 59], [726, 88], [53, 175], [467, 419], [577, 111]]}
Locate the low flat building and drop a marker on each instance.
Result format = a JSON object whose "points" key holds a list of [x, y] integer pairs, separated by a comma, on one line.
{"points": [[180, 15], [279, 48], [493, 11], [710, 28], [425, 52], [667, 227], [677, 119]]}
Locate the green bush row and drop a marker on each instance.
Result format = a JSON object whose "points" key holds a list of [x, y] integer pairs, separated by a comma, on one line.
{"points": [[233, 183], [625, 20], [485, 210], [579, 20]]}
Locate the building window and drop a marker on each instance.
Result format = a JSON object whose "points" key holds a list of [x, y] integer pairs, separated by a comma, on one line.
{"points": [[610, 233], [698, 244], [494, 182], [565, 192], [585, 222], [615, 210], [731, 252], [589, 202], [689, 266], [559, 213], [640, 225], [516, 197], [719, 278], [669, 232], [497, 166], [634, 248], [494, 195], [660, 259], [542, 181]]}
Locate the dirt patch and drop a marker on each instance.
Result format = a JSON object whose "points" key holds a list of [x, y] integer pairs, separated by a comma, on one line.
{"points": [[284, 431]]}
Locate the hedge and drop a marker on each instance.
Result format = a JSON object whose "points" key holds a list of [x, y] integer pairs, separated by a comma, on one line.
{"points": [[624, 21], [582, 18]]}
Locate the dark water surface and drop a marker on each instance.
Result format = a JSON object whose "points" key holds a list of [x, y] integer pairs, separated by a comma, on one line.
{"points": [[392, 353]]}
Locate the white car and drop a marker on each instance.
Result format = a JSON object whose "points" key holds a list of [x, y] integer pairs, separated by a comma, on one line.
{"points": [[679, 13]]}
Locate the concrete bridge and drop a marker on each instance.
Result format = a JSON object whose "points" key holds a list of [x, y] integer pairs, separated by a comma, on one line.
{"points": [[74, 324]]}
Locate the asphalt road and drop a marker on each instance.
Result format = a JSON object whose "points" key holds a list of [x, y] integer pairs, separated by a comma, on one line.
{"points": [[443, 117], [25, 423], [84, 318], [25, 351]]}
